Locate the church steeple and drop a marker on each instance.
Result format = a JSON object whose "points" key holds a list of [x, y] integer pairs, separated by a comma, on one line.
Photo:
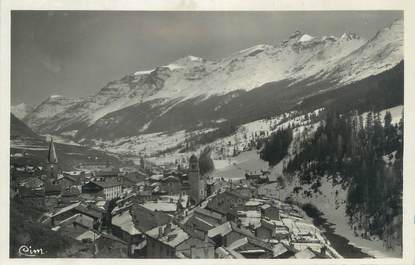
{"points": [[52, 157]]}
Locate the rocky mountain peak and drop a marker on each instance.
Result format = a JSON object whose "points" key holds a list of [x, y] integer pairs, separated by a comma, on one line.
{"points": [[21, 110], [349, 36]]}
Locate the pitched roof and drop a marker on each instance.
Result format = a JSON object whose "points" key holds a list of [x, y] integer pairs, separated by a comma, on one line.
{"points": [[124, 221], [67, 208], [250, 243], [107, 183], [226, 228], [201, 224], [307, 253], [31, 182], [91, 210], [145, 219], [52, 157], [172, 238], [160, 206], [225, 253], [279, 249], [88, 235], [205, 212], [170, 179], [106, 173]]}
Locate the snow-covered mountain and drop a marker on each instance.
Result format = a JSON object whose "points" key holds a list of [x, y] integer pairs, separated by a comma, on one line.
{"points": [[193, 91], [21, 110], [45, 112]]}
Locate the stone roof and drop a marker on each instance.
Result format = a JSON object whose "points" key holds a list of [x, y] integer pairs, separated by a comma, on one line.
{"points": [[171, 237], [124, 221], [226, 228], [145, 219], [170, 179], [160, 206], [225, 253], [205, 212], [31, 182], [107, 183]]}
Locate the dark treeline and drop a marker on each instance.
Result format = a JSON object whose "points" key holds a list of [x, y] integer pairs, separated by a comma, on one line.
{"points": [[193, 140], [205, 161], [367, 156], [276, 147]]}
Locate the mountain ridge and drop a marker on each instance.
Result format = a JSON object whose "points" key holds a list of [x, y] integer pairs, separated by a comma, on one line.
{"points": [[328, 61]]}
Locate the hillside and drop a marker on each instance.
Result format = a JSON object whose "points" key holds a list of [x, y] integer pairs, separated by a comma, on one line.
{"points": [[332, 171], [31, 233], [19, 130]]}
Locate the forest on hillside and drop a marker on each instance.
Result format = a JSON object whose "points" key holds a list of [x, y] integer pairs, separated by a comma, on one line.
{"points": [[365, 155]]}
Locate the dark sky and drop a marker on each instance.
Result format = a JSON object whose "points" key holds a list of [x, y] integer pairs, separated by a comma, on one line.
{"points": [[76, 53]]}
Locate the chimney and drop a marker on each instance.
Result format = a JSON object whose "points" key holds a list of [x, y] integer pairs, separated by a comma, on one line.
{"points": [[323, 250], [167, 229], [160, 232]]}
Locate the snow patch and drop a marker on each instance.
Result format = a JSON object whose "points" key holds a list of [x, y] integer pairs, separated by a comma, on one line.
{"points": [[305, 38], [144, 72]]}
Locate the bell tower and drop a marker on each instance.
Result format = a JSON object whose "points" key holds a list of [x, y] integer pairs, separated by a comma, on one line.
{"points": [[52, 162], [194, 179]]}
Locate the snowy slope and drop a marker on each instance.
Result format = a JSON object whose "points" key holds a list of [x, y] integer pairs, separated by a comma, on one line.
{"points": [[380, 53], [332, 199], [21, 110], [51, 107]]}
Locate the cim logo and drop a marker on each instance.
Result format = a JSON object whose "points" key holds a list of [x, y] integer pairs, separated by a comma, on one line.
{"points": [[28, 251]]}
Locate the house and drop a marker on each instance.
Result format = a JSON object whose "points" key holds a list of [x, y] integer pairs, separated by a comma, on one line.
{"points": [[123, 227], [70, 195], [253, 204], [252, 177], [196, 248], [252, 248], [67, 181], [309, 253], [109, 246], [250, 219], [145, 219], [155, 178], [87, 215], [171, 185], [70, 179], [209, 216], [202, 221], [198, 227], [228, 203], [31, 187], [123, 204], [144, 193], [162, 241], [52, 189], [282, 251], [225, 253], [96, 166], [181, 200], [108, 188], [270, 211], [74, 228], [272, 229], [226, 233], [161, 206], [131, 179], [105, 174]]}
